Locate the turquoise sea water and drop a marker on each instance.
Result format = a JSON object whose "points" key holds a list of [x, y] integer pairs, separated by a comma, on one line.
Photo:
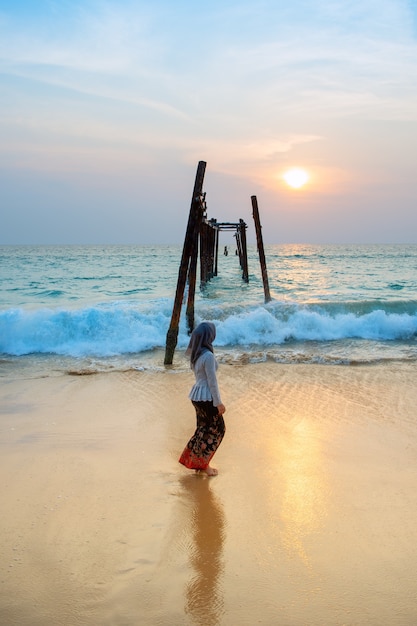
{"points": [[100, 307]]}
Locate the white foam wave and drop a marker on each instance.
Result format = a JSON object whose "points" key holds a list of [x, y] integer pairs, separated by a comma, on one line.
{"points": [[125, 328]]}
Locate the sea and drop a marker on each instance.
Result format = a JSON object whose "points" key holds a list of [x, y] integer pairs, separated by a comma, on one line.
{"points": [[92, 308]]}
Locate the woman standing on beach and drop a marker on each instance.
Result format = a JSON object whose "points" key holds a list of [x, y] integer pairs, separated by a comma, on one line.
{"points": [[205, 396]]}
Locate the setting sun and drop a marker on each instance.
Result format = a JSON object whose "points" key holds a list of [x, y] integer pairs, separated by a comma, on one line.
{"points": [[296, 177]]}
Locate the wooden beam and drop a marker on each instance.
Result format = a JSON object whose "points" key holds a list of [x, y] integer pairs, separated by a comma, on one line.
{"points": [[242, 229], [193, 225], [216, 252], [260, 244]]}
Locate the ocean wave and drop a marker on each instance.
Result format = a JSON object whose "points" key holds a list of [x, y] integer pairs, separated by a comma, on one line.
{"points": [[128, 328]]}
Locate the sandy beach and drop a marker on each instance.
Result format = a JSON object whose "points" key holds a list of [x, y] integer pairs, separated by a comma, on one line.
{"points": [[311, 521]]}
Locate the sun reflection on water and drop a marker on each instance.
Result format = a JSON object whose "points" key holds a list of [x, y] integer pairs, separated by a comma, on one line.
{"points": [[304, 486]]}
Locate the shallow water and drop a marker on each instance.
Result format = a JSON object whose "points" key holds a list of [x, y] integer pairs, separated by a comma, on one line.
{"points": [[110, 306]]}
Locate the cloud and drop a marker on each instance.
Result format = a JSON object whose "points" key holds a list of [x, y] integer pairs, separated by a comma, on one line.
{"points": [[103, 89], [346, 59], [91, 37]]}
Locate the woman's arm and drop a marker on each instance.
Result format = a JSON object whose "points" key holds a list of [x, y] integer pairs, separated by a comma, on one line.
{"points": [[210, 369]]}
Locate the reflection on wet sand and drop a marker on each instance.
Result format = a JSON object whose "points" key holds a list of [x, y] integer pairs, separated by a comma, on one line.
{"points": [[305, 492], [204, 594]]}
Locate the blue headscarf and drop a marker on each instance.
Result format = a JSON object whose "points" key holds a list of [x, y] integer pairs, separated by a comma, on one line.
{"points": [[201, 340]]}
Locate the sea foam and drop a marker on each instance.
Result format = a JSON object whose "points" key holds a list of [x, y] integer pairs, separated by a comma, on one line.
{"points": [[123, 328]]}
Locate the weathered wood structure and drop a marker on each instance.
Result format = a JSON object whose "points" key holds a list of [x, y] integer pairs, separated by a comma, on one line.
{"points": [[260, 244], [209, 247], [203, 234]]}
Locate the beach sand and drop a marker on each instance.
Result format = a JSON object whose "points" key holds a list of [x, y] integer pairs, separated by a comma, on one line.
{"points": [[311, 520]]}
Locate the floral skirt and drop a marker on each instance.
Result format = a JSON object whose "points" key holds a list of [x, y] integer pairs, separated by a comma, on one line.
{"points": [[207, 437]]}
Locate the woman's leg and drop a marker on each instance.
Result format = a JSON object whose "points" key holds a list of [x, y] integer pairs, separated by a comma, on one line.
{"points": [[206, 439]]}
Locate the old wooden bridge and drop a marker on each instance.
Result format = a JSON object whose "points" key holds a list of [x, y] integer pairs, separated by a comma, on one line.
{"points": [[202, 235]]}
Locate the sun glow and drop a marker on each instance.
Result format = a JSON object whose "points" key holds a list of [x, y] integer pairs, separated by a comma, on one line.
{"points": [[296, 177]]}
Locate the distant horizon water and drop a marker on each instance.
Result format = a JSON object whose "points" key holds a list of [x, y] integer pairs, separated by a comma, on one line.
{"points": [[103, 307]]}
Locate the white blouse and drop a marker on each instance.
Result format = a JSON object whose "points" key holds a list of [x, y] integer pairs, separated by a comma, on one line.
{"points": [[205, 387]]}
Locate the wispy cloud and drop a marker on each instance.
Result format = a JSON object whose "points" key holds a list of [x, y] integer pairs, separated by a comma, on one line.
{"points": [[248, 86], [296, 65]]}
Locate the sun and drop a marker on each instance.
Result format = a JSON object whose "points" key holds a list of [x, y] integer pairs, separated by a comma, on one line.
{"points": [[296, 177]]}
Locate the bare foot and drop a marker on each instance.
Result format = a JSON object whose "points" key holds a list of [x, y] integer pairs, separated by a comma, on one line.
{"points": [[211, 471]]}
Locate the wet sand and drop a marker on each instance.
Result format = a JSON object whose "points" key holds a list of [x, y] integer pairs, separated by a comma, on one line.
{"points": [[311, 521]]}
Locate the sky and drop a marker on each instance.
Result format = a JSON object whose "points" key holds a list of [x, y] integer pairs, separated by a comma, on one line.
{"points": [[107, 106]]}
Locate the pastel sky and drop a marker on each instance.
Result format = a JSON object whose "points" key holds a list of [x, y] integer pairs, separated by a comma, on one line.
{"points": [[106, 107]]}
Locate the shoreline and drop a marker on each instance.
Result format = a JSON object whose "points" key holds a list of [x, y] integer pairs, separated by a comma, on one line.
{"points": [[311, 519]]}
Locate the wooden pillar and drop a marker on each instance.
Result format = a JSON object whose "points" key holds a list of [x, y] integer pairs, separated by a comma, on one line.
{"points": [[216, 252], [245, 274], [207, 248], [194, 220], [203, 255], [192, 277], [260, 245], [239, 246], [212, 246]]}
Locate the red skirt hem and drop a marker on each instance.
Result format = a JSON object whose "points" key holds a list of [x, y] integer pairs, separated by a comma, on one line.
{"points": [[191, 461]]}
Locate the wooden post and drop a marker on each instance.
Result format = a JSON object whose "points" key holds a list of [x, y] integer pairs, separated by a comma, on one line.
{"points": [[192, 276], [216, 251], [238, 246], [194, 220], [212, 246], [260, 244], [192, 271], [203, 255], [245, 274]]}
